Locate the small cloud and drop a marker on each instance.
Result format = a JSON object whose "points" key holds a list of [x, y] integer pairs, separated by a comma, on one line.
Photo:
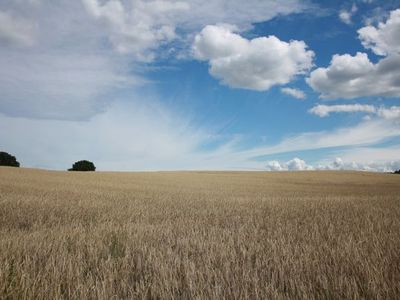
{"points": [[346, 15], [325, 110], [274, 165], [296, 93], [295, 164], [390, 113]]}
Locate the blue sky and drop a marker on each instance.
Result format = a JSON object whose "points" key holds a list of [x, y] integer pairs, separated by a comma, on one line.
{"points": [[182, 85]]}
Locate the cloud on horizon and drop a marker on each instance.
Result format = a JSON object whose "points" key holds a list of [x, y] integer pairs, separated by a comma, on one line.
{"points": [[297, 164]]}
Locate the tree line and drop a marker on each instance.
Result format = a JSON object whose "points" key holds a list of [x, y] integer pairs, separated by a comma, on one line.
{"points": [[9, 160]]}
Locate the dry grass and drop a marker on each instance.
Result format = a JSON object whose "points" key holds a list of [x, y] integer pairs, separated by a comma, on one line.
{"points": [[199, 235]]}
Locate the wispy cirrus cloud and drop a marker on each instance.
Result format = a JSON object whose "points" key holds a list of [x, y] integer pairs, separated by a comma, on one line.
{"points": [[295, 93], [325, 110]]}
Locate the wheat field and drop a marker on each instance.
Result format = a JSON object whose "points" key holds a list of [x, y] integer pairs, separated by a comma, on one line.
{"points": [[199, 235]]}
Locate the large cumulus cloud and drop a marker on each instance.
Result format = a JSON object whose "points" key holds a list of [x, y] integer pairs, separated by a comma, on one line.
{"points": [[352, 76], [256, 64]]}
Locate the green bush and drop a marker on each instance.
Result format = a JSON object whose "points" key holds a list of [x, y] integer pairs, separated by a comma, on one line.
{"points": [[8, 160], [83, 165]]}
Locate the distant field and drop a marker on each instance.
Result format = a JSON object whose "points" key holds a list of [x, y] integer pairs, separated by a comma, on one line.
{"points": [[203, 235]]}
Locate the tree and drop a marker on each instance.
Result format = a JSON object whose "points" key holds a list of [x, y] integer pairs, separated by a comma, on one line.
{"points": [[8, 160], [397, 172], [83, 165]]}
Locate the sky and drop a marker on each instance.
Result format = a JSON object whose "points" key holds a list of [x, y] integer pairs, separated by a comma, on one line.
{"points": [[136, 85]]}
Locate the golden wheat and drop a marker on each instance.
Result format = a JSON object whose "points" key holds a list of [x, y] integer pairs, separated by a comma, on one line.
{"points": [[199, 235]]}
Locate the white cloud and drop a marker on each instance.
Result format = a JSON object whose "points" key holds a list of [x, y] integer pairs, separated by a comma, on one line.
{"points": [[256, 64], [139, 27], [142, 28], [325, 110], [346, 15], [274, 165], [390, 113], [295, 164], [16, 31], [296, 93], [356, 76], [370, 166], [338, 164], [384, 39]]}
